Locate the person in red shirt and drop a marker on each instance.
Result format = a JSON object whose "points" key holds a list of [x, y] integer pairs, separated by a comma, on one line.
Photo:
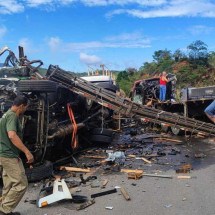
{"points": [[163, 82]]}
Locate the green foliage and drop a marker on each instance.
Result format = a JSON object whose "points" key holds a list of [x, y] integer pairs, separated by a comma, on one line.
{"points": [[191, 70], [125, 80], [211, 59], [198, 53]]}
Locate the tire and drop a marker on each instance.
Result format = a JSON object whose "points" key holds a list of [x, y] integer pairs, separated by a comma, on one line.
{"points": [[177, 131], [40, 172], [101, 139], [102, 131], [37, 86]]}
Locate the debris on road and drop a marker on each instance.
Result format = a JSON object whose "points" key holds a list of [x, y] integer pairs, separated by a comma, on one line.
{"points": [[125, 193], [104, 193], [74, 169], [85, 205], [158, 176], [186, 168]]}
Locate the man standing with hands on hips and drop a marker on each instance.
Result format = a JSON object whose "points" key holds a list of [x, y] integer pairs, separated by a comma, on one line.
{"points": [[14, 179]]}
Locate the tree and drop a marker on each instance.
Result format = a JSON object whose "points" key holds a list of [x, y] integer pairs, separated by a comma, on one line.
{"points": [[198, 53], [164, 60], [211, 59], [162, 55], [179, 55], [148, 68]]}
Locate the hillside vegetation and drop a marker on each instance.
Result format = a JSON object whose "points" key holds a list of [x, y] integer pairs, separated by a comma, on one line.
{"points": [[196, 68]]}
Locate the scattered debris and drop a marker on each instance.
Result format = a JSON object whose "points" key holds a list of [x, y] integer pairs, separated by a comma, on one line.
{"points": [[183, 177], [168, 206], [125, 194], [109, 208], [104, 183], [199, 155], [74, 169], [158, 176], [104, 193], [85, 205], [184, 168], [132, 170], [134, 175], [168, 139], [60, 192]]}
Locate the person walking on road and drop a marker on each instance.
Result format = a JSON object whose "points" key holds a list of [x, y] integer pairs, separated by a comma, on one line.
{"points": [[210, 111], [163, 82], [13, 173]]}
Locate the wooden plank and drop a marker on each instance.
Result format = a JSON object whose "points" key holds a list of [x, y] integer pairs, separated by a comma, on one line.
{"points": [[93, 156], [104, 183], [183, 177], [145, 160], [142, 158], [74, 169], [168, 139], [132, 170], [158, 176], [125, 194]]}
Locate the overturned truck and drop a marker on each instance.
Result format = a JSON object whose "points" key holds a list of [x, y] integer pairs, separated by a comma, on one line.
{"points": [[125, 106], [59, 119]]}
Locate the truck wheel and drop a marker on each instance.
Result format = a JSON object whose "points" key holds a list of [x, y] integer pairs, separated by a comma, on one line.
{"points": [[101, 139], [102, 131], [177, 131], [40, 86], [39, 172]]}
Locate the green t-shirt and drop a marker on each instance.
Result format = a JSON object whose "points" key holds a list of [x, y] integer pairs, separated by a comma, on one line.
{"points": [[9, 122]]}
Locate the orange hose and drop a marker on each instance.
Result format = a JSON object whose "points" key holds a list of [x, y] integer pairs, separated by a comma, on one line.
{"points": [[74, 142]]}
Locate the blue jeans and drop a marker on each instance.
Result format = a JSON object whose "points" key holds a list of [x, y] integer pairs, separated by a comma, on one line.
{"points": [[162, 92], [210, 109]]}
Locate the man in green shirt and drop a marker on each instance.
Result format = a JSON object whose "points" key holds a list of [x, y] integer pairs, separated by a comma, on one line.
{"points": [[13, 175]]}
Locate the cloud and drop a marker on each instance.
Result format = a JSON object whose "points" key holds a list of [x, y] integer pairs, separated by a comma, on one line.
{"points": [[121, 2], [10, 6], [135, 8], [174, 8], [36, 3], [95, 3], [89, 59], [125, 37], [126, 40], [200, 29], [54, 43], [3, 31]]}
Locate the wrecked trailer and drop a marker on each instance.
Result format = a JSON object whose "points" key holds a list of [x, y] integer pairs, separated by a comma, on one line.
{"points": [[192, 101], [57, 122], [125, 106]]}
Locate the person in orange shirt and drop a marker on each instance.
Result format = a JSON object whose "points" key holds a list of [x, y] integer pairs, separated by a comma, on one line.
{"points": [[163, 82]]}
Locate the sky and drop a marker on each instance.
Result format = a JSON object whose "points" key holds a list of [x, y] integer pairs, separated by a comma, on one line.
{"points": [[80, 35]]}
